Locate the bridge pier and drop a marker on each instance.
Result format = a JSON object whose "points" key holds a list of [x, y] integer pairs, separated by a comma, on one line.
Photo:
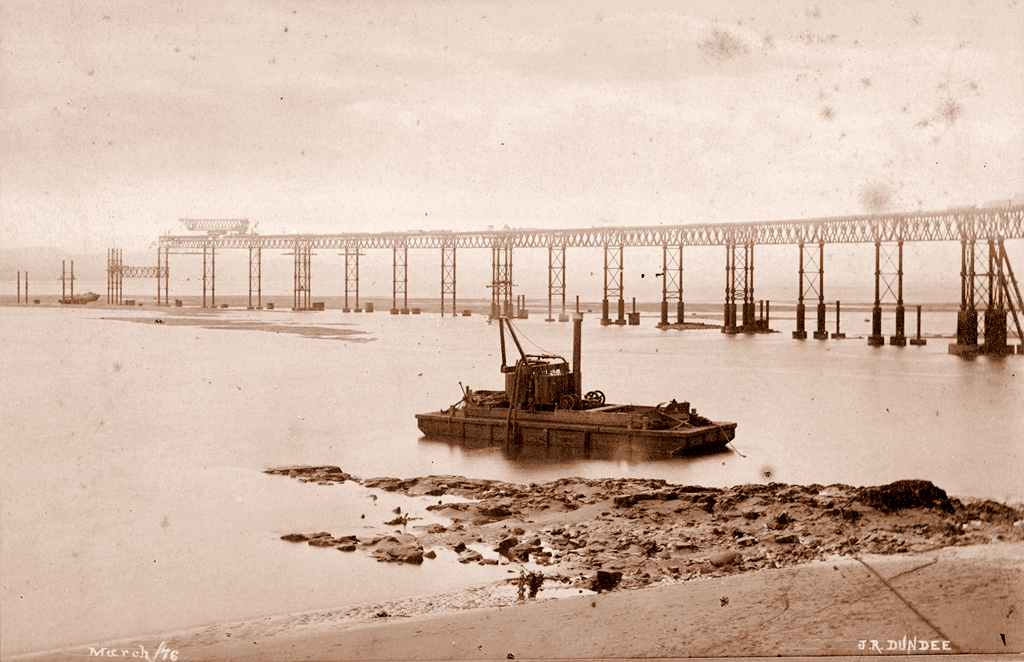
{"points": [[890, 278], [210, 273], [556, 282], [999, 297], [748, 309], [876, 339], [351, 278], [303, 276], [820, 333], [729, 312], [115, 276], [900, 339], [399, 279], [810, 285], [967, 317], [613, 275], [165, 272], [256, 273], [801, 310], [749, 324], [501, 280], [672, 283], [447, 276]]}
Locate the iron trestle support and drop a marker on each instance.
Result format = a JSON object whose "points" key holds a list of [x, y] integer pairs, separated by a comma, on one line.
{"points": [[672, 283], [448, 265], [556, 281], [400, 279], [256, 275]]}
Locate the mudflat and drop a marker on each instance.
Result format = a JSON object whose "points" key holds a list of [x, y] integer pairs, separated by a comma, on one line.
{"points": [[629, 568]]}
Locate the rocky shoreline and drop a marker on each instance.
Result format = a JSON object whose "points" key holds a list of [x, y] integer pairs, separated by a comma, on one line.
{"points": [[602, 534]]}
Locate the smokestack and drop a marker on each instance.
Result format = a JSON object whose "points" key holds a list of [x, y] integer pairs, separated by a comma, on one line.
{"points": [[577, 352]]}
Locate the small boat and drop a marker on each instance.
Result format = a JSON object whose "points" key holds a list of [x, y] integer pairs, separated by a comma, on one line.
{"points": [[543, 404], [88, 297]]}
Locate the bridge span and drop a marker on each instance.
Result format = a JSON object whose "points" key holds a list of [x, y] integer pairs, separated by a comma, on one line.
{"points": [[989, 297]]}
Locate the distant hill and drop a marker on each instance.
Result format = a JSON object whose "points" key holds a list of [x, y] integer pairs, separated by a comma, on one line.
{"points": [[44, 263]]}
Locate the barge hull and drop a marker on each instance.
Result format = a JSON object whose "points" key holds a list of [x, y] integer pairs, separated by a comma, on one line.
{"points": [[583, 437]]}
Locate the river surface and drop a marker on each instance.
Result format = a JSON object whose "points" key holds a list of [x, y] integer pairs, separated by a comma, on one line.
{"points": [[133, 496]]}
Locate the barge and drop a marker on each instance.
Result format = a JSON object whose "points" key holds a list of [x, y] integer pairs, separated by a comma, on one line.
{"points": [[543, 404], [72, 300]]}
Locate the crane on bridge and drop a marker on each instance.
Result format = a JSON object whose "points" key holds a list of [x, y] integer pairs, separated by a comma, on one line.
{"points": [[216, 226]]}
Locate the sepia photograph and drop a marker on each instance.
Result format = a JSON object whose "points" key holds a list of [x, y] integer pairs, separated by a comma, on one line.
{"points": [[474, 330]]}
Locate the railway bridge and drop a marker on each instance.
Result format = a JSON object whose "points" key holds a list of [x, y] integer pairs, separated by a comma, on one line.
{"points": [[989, 294]]}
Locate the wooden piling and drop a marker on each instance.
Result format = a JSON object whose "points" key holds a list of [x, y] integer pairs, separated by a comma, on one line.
{"points": [[837, 335], [918, 340]]}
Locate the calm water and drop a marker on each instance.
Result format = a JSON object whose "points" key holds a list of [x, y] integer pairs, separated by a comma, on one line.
{"points": [[133, 500]]}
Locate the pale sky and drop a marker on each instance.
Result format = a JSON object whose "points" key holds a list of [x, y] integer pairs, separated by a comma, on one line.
{"points": [[332, 116]]}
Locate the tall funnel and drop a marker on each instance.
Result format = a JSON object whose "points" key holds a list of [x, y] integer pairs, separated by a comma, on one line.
{"points": [[577, 353]]}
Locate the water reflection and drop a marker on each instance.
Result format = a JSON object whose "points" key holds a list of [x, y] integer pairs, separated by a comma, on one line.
{"points": [[535, 455]]}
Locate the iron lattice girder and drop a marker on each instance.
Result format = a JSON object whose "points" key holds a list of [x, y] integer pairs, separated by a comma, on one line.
{"points": [[920, 226], [140, 272]]}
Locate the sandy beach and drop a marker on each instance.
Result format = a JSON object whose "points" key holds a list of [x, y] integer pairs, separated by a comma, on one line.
{"points": [[755, 570]]}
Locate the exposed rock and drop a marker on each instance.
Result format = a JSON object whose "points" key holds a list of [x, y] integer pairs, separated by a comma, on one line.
{"points": [[470, 556], [399, 549], [390, 484], [505, 545], [317, 473], [450, 506], [990, 511], [782, 520], [605, 581], [649, 530], [725, 558], [905, 494], [497, 511], [522, 551]]}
